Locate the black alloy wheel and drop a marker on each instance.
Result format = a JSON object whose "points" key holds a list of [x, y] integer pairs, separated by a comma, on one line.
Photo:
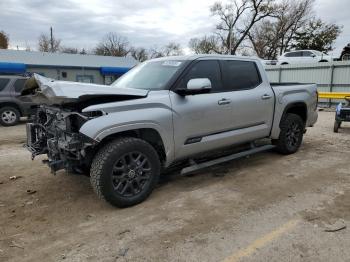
{"points": [[125, 171], [130, 174]]}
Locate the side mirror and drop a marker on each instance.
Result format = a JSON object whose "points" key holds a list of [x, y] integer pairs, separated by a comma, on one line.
{"points": [[196, 86], [313, 55]]}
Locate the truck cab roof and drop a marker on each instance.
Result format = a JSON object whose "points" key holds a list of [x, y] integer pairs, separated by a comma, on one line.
{"points": [[209, 56]]}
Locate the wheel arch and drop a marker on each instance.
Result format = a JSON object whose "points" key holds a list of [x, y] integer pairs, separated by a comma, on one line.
{"points": [[298, 108], [150, 135], [11, 104]]}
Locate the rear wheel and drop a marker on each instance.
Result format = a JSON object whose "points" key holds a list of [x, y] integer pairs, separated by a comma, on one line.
{"points": [[125, 171], [337, 125], [291, 135], [9, 116]]}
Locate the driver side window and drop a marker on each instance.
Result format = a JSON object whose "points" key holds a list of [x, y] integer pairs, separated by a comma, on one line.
{"points": [[204, 69]]}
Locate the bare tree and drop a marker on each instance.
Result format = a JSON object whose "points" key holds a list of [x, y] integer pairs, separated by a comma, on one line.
{"points": [[291, 16], [83, 52], [140, 54], [206, 45], [4, 40], [264, 40], [172, 49], [154, 52], [48, 44], [113, 45], [276, 35], [69, 50], [237, 19]]}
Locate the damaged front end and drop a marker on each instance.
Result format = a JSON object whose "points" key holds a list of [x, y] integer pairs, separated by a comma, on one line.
{"points": [[55, 132], [56, 125]]}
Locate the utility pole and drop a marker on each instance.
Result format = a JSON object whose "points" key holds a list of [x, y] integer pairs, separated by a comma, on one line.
{"points": [[51, 39]]}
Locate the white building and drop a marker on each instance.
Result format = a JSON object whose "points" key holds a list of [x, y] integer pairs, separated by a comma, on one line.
{"points": [[69, 67]]}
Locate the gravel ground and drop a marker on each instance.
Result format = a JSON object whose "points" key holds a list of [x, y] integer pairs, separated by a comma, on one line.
{"points": [[266, 207]]}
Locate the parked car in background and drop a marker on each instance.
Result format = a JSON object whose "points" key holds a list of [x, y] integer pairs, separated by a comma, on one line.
{"points": [[303, 56], [268, 62], [11, 107], [161, 113], [345, 54]]}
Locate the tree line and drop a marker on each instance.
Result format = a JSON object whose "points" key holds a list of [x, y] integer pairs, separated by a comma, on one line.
{"points": [[266, 28]]}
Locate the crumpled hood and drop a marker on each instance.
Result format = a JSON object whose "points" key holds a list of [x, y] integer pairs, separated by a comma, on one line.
{"points": [[43, 90]]}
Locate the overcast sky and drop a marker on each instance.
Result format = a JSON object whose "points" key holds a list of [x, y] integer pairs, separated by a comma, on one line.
{"points": [[148, 23]]}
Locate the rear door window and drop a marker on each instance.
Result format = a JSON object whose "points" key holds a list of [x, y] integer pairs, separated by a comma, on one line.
{"points": [[240, 75], [3, 83], [19, 84], [294, 54], [307, 53]]}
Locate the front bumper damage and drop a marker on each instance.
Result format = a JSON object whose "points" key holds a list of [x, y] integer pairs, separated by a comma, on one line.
{"points": [[64, 146], [56, 125]]}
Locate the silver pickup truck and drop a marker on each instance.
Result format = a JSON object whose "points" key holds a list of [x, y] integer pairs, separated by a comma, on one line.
{"points": [[161, 113]]}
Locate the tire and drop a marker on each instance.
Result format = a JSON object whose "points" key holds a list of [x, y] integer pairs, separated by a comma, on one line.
{"points": [[345, 56], [337, 125], [125, 171], [291, 135], [9, 116]]}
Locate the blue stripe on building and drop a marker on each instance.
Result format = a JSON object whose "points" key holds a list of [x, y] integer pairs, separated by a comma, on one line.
{"points": [[114, 70], [12, 68]]}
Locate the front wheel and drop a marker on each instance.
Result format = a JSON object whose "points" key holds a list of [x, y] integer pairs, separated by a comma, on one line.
{"points": [[125, 171], [291, 135]]}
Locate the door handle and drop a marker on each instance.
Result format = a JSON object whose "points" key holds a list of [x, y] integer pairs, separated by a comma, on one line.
{"points": [[265, 96], [224, 101]]}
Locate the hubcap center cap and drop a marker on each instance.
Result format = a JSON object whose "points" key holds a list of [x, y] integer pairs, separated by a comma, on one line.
{"points": [[132, 174]]}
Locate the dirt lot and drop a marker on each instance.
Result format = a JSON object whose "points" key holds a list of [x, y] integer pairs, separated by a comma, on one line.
{"points": [[264, 208]]}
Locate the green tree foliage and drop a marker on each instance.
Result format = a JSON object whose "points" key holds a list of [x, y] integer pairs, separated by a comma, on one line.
{"points": [[317, 35]]}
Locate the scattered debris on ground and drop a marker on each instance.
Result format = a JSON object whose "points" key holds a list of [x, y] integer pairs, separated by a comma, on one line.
{"points": [[337, 226], [15, 177], [200, 217]]}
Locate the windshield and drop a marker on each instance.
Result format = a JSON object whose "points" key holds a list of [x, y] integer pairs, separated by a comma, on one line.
{"points": [[150, 75]]}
